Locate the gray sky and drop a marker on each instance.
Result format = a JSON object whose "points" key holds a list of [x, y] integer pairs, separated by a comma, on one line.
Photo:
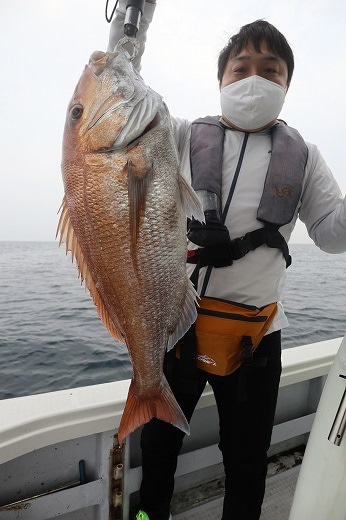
{"points": [[45, 45]]}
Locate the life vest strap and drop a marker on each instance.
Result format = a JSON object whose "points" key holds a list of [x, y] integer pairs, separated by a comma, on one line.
{"points": [[224, 254]]}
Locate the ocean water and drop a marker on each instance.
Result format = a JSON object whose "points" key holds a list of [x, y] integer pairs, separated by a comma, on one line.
{"points": [[51, 337]]}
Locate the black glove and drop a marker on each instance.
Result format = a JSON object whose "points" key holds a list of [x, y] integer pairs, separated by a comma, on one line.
{"points": [[212, 233]]}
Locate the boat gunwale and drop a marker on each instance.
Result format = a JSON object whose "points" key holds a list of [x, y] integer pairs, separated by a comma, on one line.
{"points": [[35, 421]]}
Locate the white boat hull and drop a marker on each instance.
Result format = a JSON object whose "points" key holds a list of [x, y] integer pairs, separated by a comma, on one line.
{"points": [[321, 488]]}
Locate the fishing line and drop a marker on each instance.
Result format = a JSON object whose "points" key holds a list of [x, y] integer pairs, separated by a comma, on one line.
{"points": [[109, 18]]}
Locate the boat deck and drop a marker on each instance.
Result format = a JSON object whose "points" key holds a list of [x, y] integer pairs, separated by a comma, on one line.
{"points": [[277, 502]]}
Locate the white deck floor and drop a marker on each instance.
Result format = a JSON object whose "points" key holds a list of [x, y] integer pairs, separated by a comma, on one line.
{"points": [[277, 502]]}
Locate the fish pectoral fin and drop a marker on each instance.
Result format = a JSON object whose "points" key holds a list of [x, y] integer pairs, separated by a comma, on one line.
{"points": [[69, 238], [139, 172], [141, 409], [191, 203], [187, 318]]}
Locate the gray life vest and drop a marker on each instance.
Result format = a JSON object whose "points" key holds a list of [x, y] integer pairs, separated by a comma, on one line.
{"points": [[280, 197]]}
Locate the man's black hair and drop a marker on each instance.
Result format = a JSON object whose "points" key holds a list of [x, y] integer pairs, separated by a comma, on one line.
{"points": [[255, 33]]}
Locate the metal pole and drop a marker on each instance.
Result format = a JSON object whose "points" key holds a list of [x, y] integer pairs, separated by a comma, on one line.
{"points": [[339, 425]]}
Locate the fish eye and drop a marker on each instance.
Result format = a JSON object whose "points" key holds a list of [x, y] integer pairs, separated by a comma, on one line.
{"points": [[76, 111]]}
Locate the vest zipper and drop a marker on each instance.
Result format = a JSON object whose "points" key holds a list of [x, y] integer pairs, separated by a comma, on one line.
{"points": [[227, 205]]}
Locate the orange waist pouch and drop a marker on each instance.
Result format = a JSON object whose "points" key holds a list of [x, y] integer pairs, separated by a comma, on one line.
{"points": [[225, 331]]}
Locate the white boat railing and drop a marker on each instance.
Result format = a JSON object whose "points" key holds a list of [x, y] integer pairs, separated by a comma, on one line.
{"points": [[32, 422]]}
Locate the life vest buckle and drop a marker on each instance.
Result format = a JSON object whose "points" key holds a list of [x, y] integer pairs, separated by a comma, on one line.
{"points": [[241, 246]]}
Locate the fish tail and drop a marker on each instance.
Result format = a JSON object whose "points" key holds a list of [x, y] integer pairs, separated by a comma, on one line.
{"points": [[141, 409]]}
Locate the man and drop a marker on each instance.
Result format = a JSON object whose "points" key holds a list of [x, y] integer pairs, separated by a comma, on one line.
{"points": [[255, 70]]}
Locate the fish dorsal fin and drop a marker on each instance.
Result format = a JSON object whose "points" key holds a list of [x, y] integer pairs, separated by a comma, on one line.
{"points": [[187, 318], [69, 238]]}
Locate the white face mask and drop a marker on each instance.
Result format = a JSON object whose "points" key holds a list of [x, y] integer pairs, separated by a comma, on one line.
{"points": [[252, 103]]}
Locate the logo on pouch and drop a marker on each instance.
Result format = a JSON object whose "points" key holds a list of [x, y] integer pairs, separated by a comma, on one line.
{"points": [[206, 359], [284, 191]]}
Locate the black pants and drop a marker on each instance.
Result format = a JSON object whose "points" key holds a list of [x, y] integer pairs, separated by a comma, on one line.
{"points": [[245, 434]]}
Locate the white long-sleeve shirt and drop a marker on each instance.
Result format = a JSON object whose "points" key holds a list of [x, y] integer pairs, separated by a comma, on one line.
{"points": [[258, 278]]}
